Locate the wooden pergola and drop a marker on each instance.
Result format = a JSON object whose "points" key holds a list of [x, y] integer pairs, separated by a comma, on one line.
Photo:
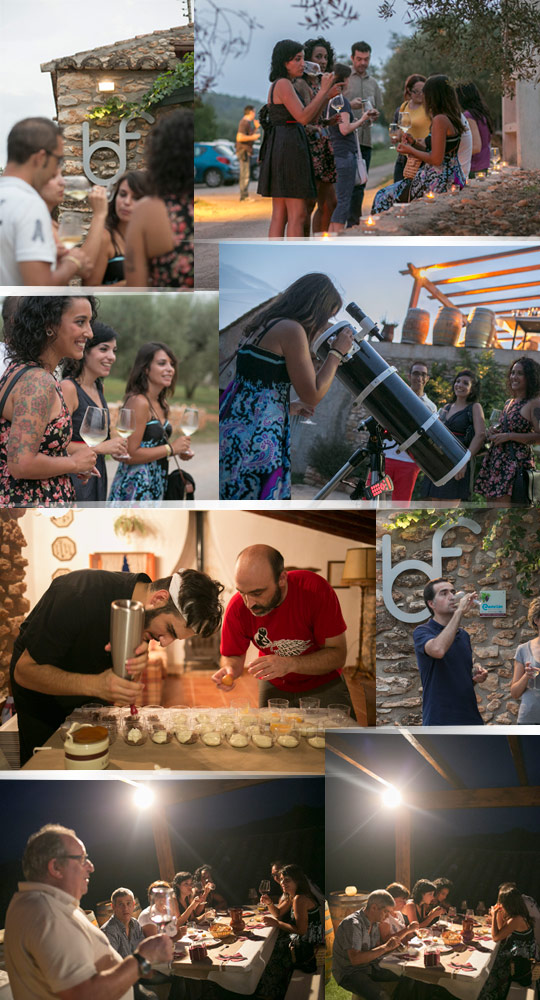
{"points": [[513, 312], [457, 795]]}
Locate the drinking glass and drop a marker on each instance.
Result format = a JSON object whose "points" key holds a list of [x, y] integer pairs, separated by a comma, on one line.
{"points": [[94, 427], [77, 188], [494, 418], [264, 886], [339, 713], [367, 105], [210, 914], [337, 103], [495, 154], [309, 703], [394, 132], [534, 682], [161, 901], [298, 418], [312, 68], [125, 425], [452, 914], [189, 421], [70, 229], [404, 121]]}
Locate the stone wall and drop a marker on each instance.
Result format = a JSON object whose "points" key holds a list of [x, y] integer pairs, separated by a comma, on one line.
{"points": [[13, 605], [494, 640]]}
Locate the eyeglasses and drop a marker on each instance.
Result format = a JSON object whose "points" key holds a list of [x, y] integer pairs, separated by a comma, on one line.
{"points": [[60, 161], [83, 859], [419, 375]]}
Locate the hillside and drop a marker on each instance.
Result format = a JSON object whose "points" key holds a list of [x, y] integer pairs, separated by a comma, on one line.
{"points": [[228, 111]]}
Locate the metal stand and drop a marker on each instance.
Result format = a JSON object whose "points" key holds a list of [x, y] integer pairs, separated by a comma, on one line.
{"points": [[374, 451]]}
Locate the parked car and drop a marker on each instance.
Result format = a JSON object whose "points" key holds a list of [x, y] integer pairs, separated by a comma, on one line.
{"points": [[215, 164], [254, 165]]}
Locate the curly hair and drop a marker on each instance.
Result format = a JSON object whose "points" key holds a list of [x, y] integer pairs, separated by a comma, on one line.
{"points": [[35, 315], [474, 394], [102, 334], [311, 300], [531, 370], [314, 43], [137, 383], [199, 602], [440, 98], [138, 183], [533, 612], [282, 53], [169, 155]]}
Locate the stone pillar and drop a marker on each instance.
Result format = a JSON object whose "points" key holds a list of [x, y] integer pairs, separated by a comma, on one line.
{"points": [[13, 605], [521, 120]]}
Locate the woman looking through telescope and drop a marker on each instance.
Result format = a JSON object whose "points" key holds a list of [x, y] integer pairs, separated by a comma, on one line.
{"points": [[254, 427]]}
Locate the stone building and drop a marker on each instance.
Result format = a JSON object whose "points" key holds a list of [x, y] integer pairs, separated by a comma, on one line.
{"points": [[494, 639], [13, 603], [127, 69]]}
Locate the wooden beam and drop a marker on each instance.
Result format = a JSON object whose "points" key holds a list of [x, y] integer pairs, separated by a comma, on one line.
{"points": [[497, 288], [162, 841], [403, 847], [488, 274], [496, 302], [424, 746], [473, 260], [360, 767], [475, 798], [514, 742]]}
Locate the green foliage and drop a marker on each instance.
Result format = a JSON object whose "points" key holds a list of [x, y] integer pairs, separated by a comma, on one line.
{"points": [[206, 126], [163, 86], [423, 517], [228, 111], [493, 391], [420, 54], [328, 454], [510, 538]]}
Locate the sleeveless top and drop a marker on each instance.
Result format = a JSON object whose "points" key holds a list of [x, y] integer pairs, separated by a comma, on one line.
{"points": [[95, 488], [175, 269], [56, 437]]}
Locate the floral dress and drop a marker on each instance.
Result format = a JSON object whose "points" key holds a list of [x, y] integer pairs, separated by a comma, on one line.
{"points": [[56, 437], [321, 149], [175, 269], [428, 178], [499, 468], [512, 964], [144, 481], [254, 428]]}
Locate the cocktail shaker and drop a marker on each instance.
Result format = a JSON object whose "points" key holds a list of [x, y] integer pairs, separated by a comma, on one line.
{"points": [[127, 623]]}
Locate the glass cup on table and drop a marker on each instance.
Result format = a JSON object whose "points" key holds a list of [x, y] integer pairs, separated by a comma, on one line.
{"points": [[339, 714]]}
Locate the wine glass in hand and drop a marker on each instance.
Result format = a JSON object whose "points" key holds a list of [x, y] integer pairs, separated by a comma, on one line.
{"points": [[125, 425], [70, 229], [190, 421], [404, 121], [94, 426], [264, 889], [77, 187], [161, 901], [394, 132], [337, 103]]}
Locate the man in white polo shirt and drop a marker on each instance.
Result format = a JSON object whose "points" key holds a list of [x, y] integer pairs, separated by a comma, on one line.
{"points": [[28, 251]]}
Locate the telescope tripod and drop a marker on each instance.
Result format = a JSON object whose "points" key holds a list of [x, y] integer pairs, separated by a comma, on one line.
{"points": [[374, 452]]}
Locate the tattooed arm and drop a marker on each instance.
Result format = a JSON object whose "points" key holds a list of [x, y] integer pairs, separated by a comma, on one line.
{"points": [[531, 412], [30, 408]]}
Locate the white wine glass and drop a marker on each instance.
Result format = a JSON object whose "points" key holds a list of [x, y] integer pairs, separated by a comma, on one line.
{"points": [[70, 229], [312, 68], [189, 422], [95, 426], [125, 425], [404, 121], [394, 132], [495, 417], [161, 900], [76, 187], [337, 103]]}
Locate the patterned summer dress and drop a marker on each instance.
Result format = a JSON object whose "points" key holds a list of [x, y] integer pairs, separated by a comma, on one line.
{"points": [[175, 269], [254, 427], [496, 477], [321, 149], [428, 178], [512, 964], [56, 437], [144, 482]]}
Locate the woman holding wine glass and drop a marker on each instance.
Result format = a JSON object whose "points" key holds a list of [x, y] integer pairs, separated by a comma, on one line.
{"points": [[512, 438], [346, 150], [418, 122], [204, 878], [143, 475], [35, 423], [319, 52], [109, 252], [254, 418], [68, 228], [438, 153], [298, 918], [526, 680], [287, 175], [463, 416], [82, 387]]}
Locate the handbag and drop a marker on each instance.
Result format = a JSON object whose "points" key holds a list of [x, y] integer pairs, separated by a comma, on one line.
{"points": [[177, 483], [361, 169], [526, 485]]}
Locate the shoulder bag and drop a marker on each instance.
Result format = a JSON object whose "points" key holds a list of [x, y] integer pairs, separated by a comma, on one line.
{"points": [[526, 486]]}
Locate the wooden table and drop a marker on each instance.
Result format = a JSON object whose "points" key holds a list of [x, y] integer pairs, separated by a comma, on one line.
{"points": [[238, 976], [302, 759], [457, 982]]}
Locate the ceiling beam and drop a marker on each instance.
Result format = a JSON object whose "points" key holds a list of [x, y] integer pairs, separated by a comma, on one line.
{"points": [[514, 742], [474, 798], [497, 288], [355, 763], [496, 302], [424, 746], [473, 260], [487, 274]]}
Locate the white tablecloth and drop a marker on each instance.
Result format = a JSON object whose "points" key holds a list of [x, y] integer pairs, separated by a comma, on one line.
{"points": [[461, 984], [239, 977]]}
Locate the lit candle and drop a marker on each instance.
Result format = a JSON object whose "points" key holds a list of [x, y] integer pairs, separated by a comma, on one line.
{"points": [[454, 188], [370, 221], [430, 195]]}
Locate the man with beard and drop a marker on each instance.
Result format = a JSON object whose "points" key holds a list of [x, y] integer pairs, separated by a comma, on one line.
{"points": [[294, 619], [61, 657]]}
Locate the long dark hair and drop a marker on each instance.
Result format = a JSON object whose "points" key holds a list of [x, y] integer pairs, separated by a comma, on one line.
{"points": [[311, 300], [297, 875], [137, 181], [313, 43], [471, 100], [513, 903], [169, 155], [423, 885], [440, 98], [176, 883], [531, 370], [34, 316], [410, 82], [282, 53], [475, 387], [137, 383], [102, 334]]}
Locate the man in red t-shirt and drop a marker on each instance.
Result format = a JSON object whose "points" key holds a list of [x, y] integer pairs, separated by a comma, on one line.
{"points": [[294, 619]]}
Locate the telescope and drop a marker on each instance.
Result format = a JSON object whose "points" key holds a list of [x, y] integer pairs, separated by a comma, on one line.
{"points": [[393, 404]]}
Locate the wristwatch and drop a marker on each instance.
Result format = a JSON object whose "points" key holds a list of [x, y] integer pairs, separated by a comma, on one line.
{"points": [[145, 967]]}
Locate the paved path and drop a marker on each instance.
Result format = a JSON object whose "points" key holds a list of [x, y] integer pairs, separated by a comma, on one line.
{"points": [[220, 215], [203, 467]]}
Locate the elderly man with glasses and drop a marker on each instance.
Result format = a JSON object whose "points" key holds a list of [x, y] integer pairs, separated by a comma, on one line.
{"points": [[52, 949], [28, 249]]}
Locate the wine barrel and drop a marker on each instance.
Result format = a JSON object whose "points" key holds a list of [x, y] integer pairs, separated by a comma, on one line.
{"points": [[480, 327], [342, 905], [416, 327], [447, 326], [329, 936]]}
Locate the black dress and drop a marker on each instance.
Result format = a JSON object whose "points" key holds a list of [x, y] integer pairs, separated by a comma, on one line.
{"points": [[286, 164], [462, 427], [94, 489]]}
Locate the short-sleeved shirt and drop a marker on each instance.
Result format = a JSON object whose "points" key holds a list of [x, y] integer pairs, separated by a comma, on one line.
{"points": [[26, 232], [68, 628], [342, 145], [118, 936], [354, 931], [246, 126], [366, 88], [301, 624], [50, 945], [448, 696], [529, 706]]}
